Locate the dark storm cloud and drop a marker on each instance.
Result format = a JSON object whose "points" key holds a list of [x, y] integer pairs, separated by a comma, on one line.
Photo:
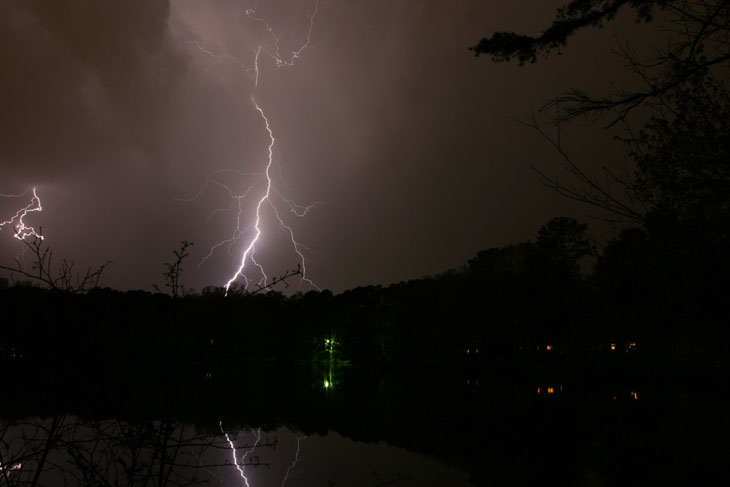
{"points": [[81, 79], [118, 107]]}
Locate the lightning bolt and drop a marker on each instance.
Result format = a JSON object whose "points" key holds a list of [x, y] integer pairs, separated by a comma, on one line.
{"points": [[296, 459], [16, 466], [241, 467], [266, 199], [272, 198], [21, 230], [256, 66]]}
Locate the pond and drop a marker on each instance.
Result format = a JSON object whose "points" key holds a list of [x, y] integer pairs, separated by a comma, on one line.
{"points": [[234, 425], [67, 450]]}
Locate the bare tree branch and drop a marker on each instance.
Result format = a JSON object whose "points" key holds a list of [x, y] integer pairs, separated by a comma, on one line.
{"points": [[64, 277], [589, 189]]}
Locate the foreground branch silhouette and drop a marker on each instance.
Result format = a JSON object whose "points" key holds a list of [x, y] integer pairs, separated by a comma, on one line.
{"points": [[624, 207], [697, 45], [282, 279], [64, 277], [677, 176], [173, 270]]}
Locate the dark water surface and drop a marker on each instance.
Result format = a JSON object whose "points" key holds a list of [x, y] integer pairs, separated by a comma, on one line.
{"points": [[327, 425]]}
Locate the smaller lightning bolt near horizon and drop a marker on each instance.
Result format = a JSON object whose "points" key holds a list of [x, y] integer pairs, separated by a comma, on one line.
{"points": [[20, 229]]}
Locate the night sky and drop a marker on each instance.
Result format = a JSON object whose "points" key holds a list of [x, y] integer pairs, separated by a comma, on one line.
{"points": [[119, 112]]}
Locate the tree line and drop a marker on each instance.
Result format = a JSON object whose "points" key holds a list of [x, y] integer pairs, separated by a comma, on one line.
{"points": [[555, 295]]}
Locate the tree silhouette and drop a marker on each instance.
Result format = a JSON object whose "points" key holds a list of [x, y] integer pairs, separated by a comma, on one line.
{"points": [[173, 270], [679, 173], [561, 243], [576, 15], [683, 164], [697, 31], [62, 277]]}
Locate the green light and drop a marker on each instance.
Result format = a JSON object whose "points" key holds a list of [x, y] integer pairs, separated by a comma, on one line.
{"points": [[326, 384], [330, 344]]}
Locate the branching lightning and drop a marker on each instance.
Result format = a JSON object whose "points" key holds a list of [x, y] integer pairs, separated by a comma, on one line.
{"points": [[279, 60], [296, 459], [223, 57], [247, 459], [271, 197], [265, 198], [21, 229], [240, 465]]}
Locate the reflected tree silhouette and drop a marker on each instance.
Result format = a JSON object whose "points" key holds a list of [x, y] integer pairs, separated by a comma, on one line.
{"points": [[67, 450]]}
